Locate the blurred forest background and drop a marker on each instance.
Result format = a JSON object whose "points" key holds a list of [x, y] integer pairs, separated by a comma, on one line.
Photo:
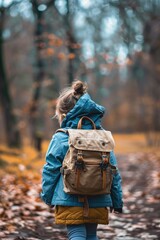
{"points": [[113, 45]]}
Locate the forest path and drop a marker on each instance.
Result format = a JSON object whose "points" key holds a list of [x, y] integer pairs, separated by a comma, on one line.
{"points": [[24, 217], [141, 188]]}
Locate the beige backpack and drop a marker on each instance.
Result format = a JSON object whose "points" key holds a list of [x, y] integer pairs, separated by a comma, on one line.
{"points": [[86, 167]]}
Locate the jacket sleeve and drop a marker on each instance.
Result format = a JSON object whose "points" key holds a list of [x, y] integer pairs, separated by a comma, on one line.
{"points": [[51, 170], [116, 189]]}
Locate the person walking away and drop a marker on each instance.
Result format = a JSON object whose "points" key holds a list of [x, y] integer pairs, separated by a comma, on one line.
{"points": [[73, 104]]}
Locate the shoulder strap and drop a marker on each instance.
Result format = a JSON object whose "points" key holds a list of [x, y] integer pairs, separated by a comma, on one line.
{"points": [[61, 130]]}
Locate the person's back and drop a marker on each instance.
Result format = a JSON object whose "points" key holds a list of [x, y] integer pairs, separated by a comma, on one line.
{"points": [[73, 104]]}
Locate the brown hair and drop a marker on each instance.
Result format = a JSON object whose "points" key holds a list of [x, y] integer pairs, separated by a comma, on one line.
{"points": [[69, 97]]}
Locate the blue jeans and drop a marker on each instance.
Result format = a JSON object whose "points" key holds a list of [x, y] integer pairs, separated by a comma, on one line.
{"points": [[86, 231]]}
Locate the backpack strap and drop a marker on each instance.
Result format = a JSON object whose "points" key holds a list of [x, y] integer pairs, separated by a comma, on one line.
{"points": [[84, 200], [79, 166], [87, 118], [61, 130], [104, 165]]}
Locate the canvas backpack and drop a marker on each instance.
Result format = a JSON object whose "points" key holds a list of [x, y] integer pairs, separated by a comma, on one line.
{"points": [[86, 167]]}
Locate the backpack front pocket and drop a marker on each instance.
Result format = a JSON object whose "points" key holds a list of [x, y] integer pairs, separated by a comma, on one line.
{"points": [[88, 181]]}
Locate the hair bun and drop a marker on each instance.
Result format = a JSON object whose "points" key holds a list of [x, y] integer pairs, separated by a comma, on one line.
{"points": [[79, 87]]}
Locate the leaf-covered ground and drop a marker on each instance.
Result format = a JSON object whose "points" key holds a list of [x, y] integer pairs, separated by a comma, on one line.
{"points": [[23, 215]]}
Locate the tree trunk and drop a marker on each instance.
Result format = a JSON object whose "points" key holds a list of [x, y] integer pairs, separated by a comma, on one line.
{"points": [[39, 73], [152, 38], [73, 47], [12, 132], [71, 60]]}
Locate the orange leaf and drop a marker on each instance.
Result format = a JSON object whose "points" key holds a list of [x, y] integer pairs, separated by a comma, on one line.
{"points": [[71, 56]]}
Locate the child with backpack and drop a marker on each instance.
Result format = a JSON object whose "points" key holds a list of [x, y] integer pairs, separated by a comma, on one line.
{"points": [[80, 177]]}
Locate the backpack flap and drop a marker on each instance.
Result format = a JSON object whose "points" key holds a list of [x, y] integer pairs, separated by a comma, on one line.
{"points": [[91, 140]]}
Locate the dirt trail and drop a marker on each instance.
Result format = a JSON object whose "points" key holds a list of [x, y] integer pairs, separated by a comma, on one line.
{"points": [[23, 216], [141, 187]]}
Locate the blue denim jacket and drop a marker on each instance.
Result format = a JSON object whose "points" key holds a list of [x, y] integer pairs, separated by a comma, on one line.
{"points": [[52, 181]]}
